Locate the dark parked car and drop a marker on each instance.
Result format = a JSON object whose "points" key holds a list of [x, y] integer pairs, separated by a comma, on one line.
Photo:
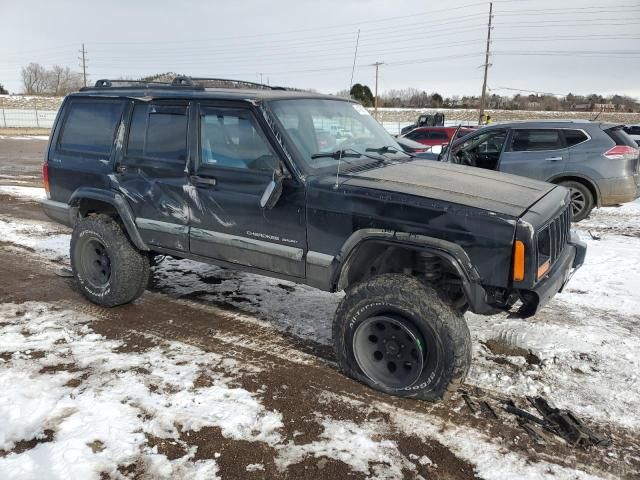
{"points": [[245, 178], [598, 162]]}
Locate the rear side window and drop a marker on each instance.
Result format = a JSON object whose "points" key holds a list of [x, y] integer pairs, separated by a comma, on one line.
{"points": [[618, 135], [90, 127], [536, 140], [574, 137], [158, 132], [437, 135]]}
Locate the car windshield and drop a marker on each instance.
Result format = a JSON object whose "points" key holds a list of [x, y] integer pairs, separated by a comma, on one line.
{"points": [[319, 128]]}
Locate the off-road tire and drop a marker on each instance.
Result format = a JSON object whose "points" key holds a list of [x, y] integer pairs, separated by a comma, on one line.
{"points": [[446, 335], [581, 191], [129, 268]]}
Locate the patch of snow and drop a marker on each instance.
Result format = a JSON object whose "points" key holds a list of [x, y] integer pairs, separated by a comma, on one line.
{"points": [[28, 193], [37, 236], [255, 467], [116, 399], [362, 447]]}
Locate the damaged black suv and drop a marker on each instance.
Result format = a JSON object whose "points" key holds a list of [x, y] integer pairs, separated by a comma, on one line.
{"points": [[311, 189]]}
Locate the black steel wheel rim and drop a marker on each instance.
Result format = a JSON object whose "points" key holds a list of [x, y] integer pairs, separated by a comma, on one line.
{"points": [[390, 351], [578, 202], [95, 264]]}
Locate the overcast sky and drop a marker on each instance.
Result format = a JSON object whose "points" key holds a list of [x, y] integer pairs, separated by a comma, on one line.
{"points": [[578, 46]]}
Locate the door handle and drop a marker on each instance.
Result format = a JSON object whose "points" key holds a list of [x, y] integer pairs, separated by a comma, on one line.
{"points": [[553, 159], [202, 181]]}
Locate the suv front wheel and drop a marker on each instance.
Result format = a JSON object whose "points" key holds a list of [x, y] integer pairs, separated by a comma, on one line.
{"points": [[395, 334], [109, 270]]}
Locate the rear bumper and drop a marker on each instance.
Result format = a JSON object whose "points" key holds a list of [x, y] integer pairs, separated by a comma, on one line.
{"points": [[571, 259], [618, 190], [58, 212]]}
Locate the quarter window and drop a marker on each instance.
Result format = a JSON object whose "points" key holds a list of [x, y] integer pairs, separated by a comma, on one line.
{"points": [[536, 140], [90, 127], [232, 139], [158, 132], [574, 137]]}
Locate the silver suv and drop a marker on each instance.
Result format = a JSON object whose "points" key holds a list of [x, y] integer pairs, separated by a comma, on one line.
{"points": [[597, 161]]}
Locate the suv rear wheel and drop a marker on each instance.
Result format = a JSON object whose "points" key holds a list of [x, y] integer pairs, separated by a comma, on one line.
{"points": [[395, 334], [109, 270], [581, 199]]}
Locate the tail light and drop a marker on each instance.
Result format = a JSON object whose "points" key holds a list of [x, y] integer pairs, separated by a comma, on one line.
{"points": [[621, 152], [45, 178], [518, 261]]}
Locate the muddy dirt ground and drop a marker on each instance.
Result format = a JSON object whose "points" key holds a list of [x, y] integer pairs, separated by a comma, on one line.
{"points": [[295, 376]]}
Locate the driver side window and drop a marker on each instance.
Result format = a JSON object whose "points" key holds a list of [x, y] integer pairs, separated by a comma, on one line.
{"points": [[482, 150], [233, 139]]}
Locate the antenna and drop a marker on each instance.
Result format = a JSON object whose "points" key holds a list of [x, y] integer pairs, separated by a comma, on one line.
{"points": [[355, 55], [338, 171]]}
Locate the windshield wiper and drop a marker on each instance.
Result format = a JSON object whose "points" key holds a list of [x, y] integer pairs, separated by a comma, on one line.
{"points": [[338, 154], [388, 149]]}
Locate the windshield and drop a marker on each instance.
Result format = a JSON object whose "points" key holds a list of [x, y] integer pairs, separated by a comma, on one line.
{"points": [[317, 127]]}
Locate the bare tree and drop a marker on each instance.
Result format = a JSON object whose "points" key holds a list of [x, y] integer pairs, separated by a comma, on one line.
{"points": [[37, 80]]}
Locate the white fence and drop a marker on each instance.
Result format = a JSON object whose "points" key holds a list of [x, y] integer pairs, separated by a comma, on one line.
{"points": [[12, 118]]}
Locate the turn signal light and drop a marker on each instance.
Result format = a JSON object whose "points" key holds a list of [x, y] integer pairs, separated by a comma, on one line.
{"points": [[45, 177], [542, 269], [518, 261]]}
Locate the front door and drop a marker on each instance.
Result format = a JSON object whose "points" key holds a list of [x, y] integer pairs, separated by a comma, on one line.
{"points": [[538, 153], [235, 162]]}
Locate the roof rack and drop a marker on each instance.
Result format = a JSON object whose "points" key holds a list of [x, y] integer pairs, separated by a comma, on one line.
{"points": [[107, 83], [195, 83], [214, 82]]}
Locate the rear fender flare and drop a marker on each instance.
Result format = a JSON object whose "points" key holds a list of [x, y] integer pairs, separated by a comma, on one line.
{"points": [[118, 202]]}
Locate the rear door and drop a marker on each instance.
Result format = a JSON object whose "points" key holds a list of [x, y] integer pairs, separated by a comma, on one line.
{"points": [[151, 171], [539, 153], [235, 162]]}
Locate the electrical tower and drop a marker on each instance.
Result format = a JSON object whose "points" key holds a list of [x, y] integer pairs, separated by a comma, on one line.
{"points": [[483, 98], [83, 64]]}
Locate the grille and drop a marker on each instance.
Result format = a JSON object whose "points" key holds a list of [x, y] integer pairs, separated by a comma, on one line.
{"points": [[553, 238]]}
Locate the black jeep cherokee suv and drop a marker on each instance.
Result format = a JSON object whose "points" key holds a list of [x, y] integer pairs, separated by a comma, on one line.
{"points": [[311, 189]]}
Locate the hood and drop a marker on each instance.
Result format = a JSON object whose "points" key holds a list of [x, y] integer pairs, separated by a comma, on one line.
{"points": [[473, 187]]}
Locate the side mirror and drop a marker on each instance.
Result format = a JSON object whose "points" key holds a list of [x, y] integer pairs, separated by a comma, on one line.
{"points": [[272, 193]]}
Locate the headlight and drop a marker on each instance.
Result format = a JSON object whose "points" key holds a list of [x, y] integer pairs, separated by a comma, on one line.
{"points": [[544, 253]]}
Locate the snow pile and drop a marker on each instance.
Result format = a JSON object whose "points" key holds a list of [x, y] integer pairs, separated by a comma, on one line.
{"points": [[99, 403]]}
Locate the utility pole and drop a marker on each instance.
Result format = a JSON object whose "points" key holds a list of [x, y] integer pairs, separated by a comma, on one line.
{"points": [[483, 98], [355, 55], [375, 99], [83, 59]]}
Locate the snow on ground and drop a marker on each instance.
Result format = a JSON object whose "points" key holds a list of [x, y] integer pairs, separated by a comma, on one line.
{"points": [[24, 137], [36, 236], [99, 404], [581, 352], [27, 193]]}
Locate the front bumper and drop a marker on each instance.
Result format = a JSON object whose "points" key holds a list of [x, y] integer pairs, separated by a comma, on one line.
{"points": [[570, 260]]}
